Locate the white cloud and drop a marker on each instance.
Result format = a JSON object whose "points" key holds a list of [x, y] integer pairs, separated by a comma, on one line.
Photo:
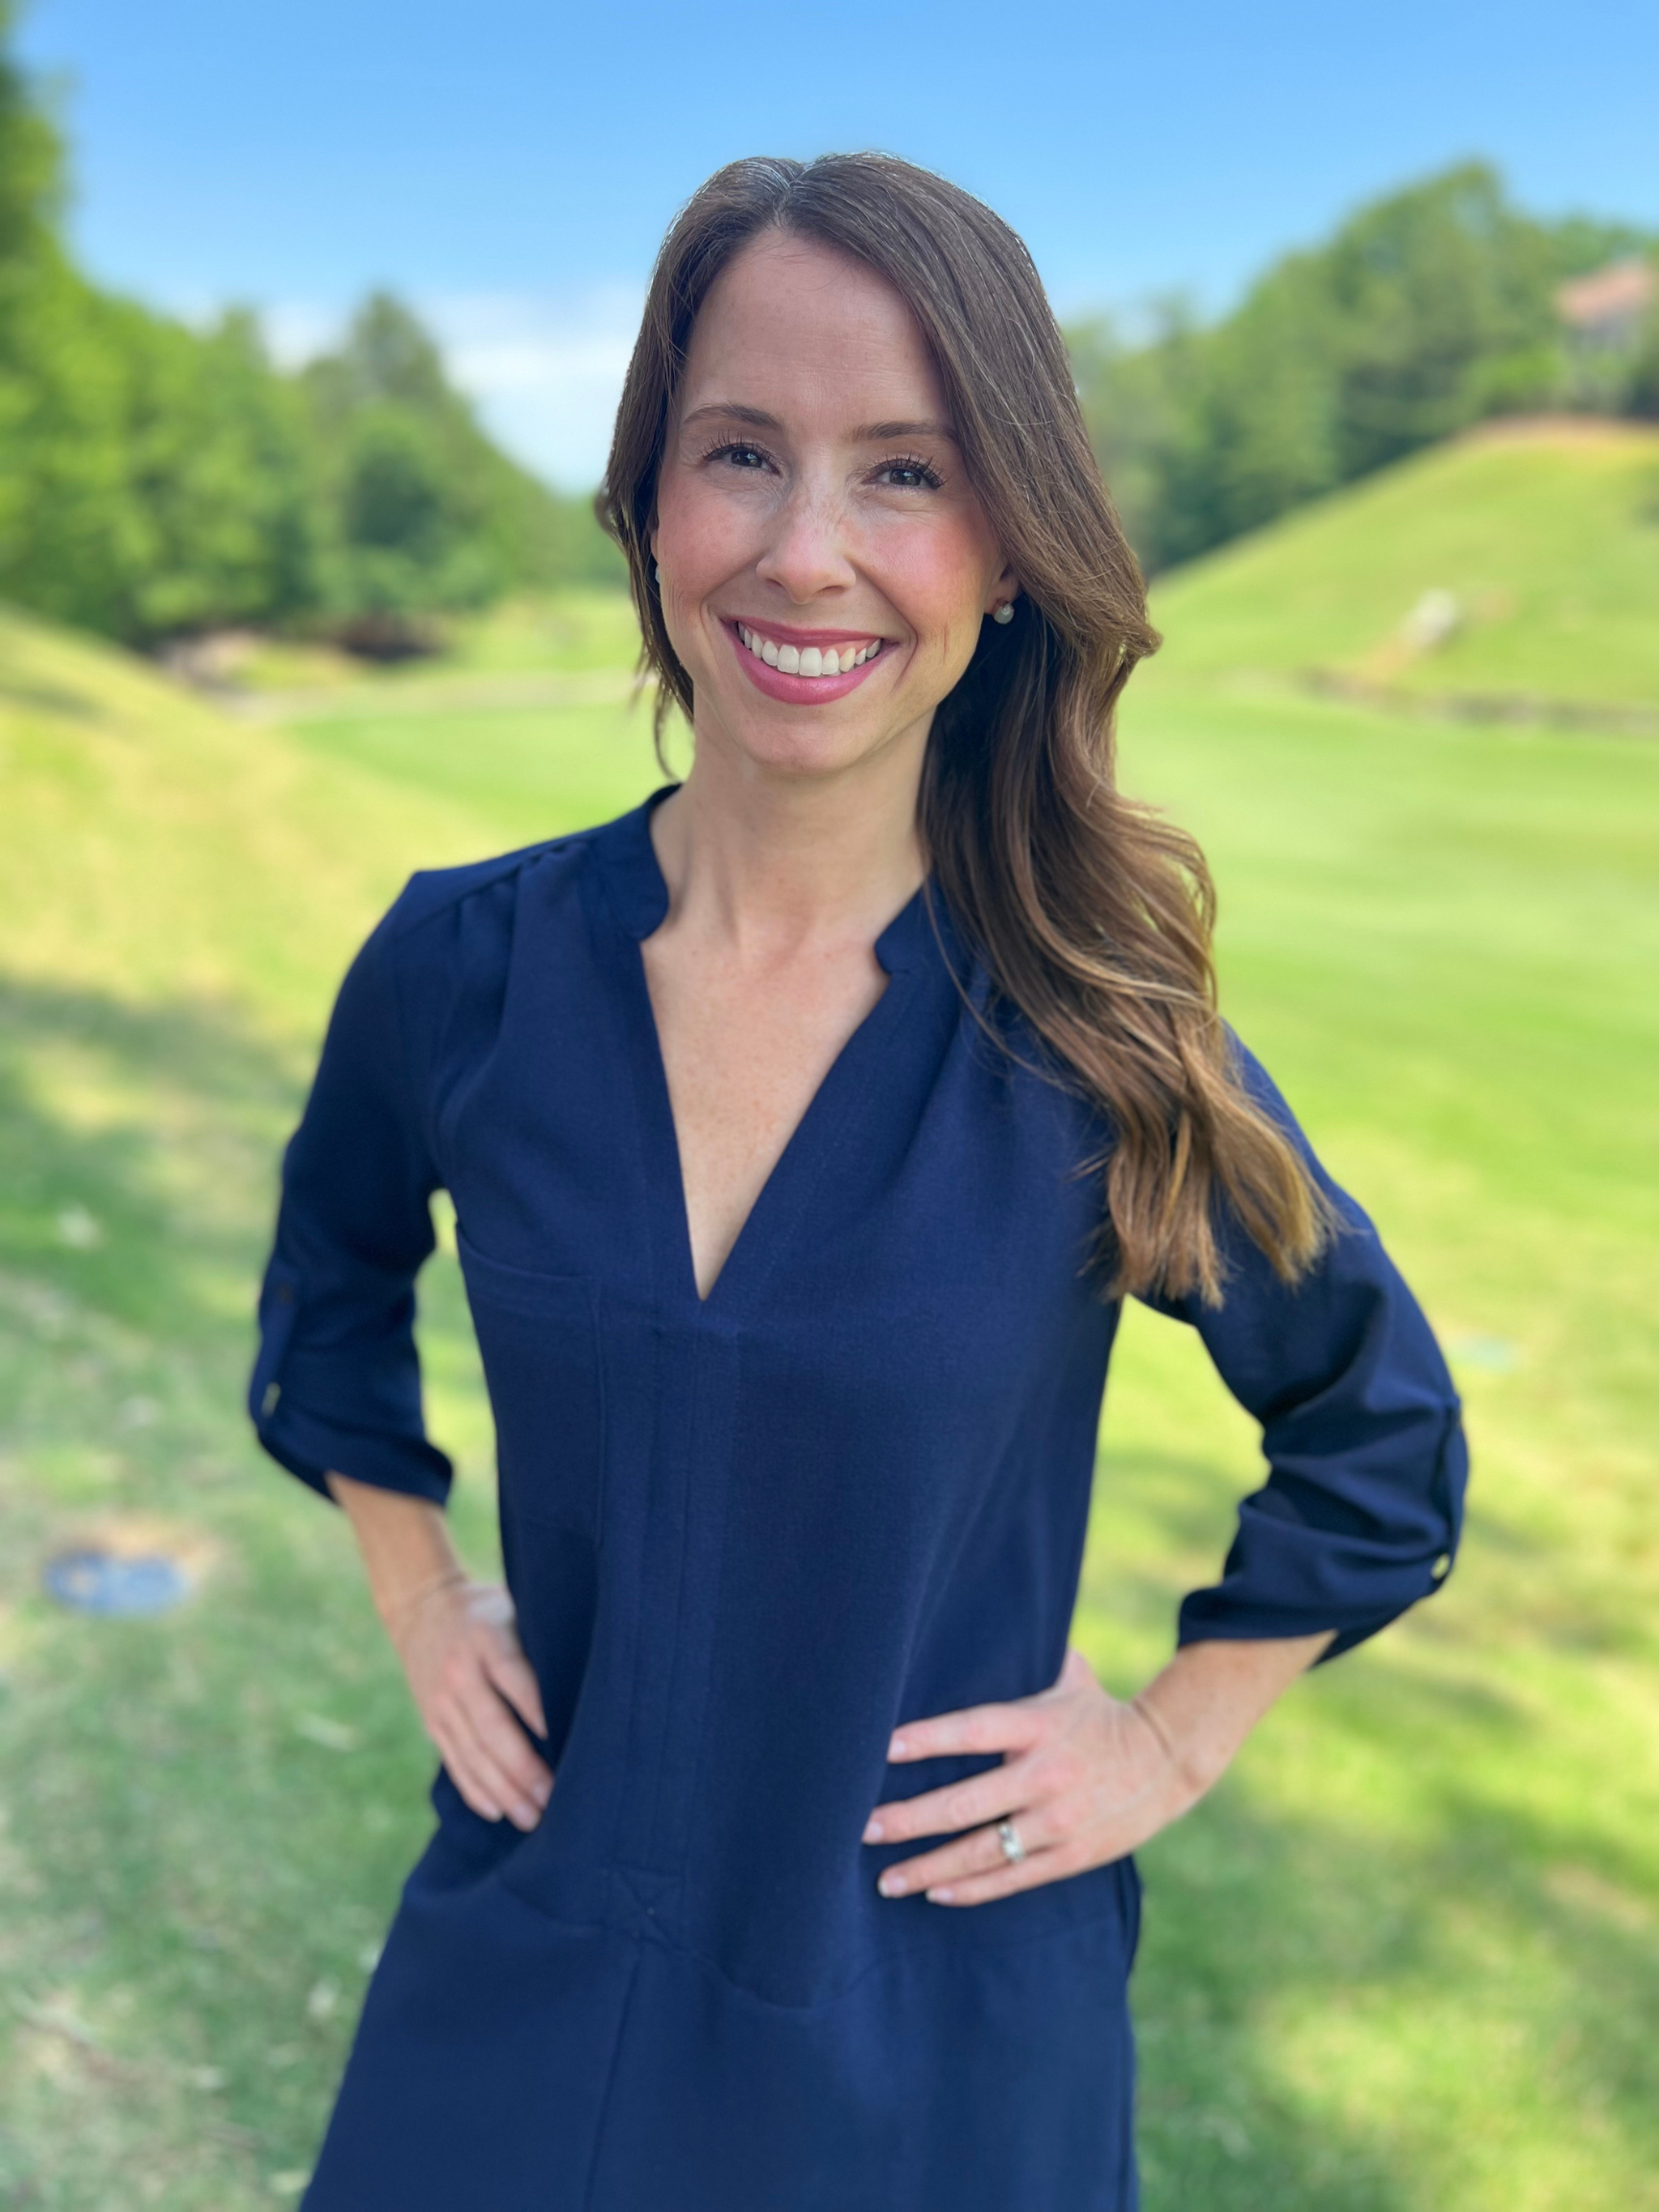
{"points": [[297, 330], [544, 369], [547, 372]]}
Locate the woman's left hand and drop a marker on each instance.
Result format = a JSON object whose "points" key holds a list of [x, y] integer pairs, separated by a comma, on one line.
{"points": [[1084, 1777]]}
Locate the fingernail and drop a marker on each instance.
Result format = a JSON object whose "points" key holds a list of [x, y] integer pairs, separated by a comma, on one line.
{"points": [[490, 1810], [874, 1830], [891, 1885], [942, 1895], [897, 1748], [525, 1814]]}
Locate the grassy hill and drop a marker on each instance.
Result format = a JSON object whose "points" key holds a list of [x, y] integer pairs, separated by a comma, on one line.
{"points": [[1541, 541], [153, 842], [1406, 1959]]}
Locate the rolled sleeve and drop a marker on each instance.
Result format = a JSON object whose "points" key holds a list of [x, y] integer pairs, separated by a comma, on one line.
{"points": [[1362, 1428], [336, 1384]]}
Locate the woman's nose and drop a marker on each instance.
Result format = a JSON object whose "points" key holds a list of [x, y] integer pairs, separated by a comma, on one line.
{"points": [[808, 552]]}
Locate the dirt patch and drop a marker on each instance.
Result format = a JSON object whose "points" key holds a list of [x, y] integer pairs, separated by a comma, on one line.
{"points": [[1578, 431]]}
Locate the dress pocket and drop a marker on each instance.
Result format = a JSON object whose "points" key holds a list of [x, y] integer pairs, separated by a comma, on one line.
{"points": [[539, 1338]]}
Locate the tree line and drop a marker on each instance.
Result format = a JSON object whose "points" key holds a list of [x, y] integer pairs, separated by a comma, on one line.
{"points": [[1428, 311], [157, 480]]}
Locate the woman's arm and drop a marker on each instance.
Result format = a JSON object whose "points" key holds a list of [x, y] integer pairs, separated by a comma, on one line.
{"points": [[335, 1392], [1361, 1510], [459, 1647], [1085, 1777], [1359, 1519], [1210, 1696]]}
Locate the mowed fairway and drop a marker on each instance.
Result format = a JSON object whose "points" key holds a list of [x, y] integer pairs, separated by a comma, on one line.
{"points": [[1404, 1959]]}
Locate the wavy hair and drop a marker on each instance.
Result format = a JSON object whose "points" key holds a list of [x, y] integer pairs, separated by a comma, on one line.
{"points": [[1093, 915]]}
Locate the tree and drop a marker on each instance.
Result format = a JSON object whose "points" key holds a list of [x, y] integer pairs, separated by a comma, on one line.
{"points": [[1434, 295], [1643, 392], [1427, 311], [152, 479], [31, 160], [157, 479], [429, 517]]}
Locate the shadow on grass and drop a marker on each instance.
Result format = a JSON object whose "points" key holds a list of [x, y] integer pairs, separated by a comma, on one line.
{"points": [[1380, 1955], [1487, 1968], [137, 1152], [53, 698]]}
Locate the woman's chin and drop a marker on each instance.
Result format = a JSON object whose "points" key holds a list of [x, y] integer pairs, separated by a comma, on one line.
{"points": [[795, 743]]}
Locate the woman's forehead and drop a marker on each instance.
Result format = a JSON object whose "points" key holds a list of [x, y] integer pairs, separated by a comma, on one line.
{"points": [[791, 323]]}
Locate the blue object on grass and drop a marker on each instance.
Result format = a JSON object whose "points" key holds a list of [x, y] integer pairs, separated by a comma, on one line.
{"points": [[99, 1582], [1492, 1355]]}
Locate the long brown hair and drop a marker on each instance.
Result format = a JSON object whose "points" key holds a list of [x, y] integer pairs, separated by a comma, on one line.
{"points": [[1094, 916]]}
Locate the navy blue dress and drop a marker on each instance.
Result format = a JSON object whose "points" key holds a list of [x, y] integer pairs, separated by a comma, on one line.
{"points": [[747, 1536]]}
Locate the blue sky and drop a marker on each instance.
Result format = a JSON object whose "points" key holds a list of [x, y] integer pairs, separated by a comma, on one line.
{"points": [[510, 167]]}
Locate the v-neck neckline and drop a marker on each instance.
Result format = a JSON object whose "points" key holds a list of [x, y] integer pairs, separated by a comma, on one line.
{"points": [[638, 899]]}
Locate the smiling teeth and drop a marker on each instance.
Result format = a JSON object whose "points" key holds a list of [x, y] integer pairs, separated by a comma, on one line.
{"points": [[808, 660]]}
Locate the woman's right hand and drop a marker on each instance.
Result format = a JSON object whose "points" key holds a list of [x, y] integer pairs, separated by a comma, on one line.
{"points": [[459, 1644], [457, 1641]]}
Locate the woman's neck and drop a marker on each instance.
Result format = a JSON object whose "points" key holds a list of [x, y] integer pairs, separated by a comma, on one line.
{"points": [[770, 865]]}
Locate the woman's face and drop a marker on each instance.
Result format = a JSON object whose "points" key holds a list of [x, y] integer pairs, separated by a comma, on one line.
{"points": [[825, 565]]}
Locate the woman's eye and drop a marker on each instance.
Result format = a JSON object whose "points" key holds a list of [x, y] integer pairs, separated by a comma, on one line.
{"points": [[741, 456], [908, 476]]}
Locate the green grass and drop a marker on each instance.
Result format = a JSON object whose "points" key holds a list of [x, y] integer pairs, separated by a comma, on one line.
{"points": [[1547, 536], [1410, 1957], [1404, 1959], [577, 633]]}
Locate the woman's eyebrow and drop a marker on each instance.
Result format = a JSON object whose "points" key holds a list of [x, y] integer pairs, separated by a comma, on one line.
{"points": [[878, 433], [728, 411], [867, 433]]}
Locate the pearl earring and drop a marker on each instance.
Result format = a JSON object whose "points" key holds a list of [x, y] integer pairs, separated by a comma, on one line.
{"points": [[1004, 613], [656, 571]]}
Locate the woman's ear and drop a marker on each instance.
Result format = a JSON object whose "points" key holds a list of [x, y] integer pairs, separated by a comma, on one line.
{"points": [[1004, 592]]}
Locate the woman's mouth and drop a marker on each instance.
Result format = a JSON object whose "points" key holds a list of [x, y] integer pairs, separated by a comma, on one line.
{"points": [[807, 671], [811, 660]]}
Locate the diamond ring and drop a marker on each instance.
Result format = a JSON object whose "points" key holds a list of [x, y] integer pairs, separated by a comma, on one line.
{"points": [[1008, 1835]]}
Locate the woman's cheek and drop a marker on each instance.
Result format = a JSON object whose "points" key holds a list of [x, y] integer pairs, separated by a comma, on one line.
{"points": [[939, 590], [951, 636]]}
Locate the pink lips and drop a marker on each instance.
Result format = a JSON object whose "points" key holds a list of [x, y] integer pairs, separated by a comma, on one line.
{"points": [[800, 690]]}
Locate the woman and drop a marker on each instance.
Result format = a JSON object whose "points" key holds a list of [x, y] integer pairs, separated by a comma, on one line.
{"points": [[805, 1128]]}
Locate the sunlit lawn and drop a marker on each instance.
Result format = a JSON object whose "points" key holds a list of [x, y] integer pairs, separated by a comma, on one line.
{"points": [[1405, 1960], [1545, 538]]}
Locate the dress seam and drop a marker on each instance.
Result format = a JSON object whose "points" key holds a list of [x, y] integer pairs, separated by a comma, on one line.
{"points": [[696, 1421], [610, 2072], [479, 875], [900, 1955], [922, 1947]]}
